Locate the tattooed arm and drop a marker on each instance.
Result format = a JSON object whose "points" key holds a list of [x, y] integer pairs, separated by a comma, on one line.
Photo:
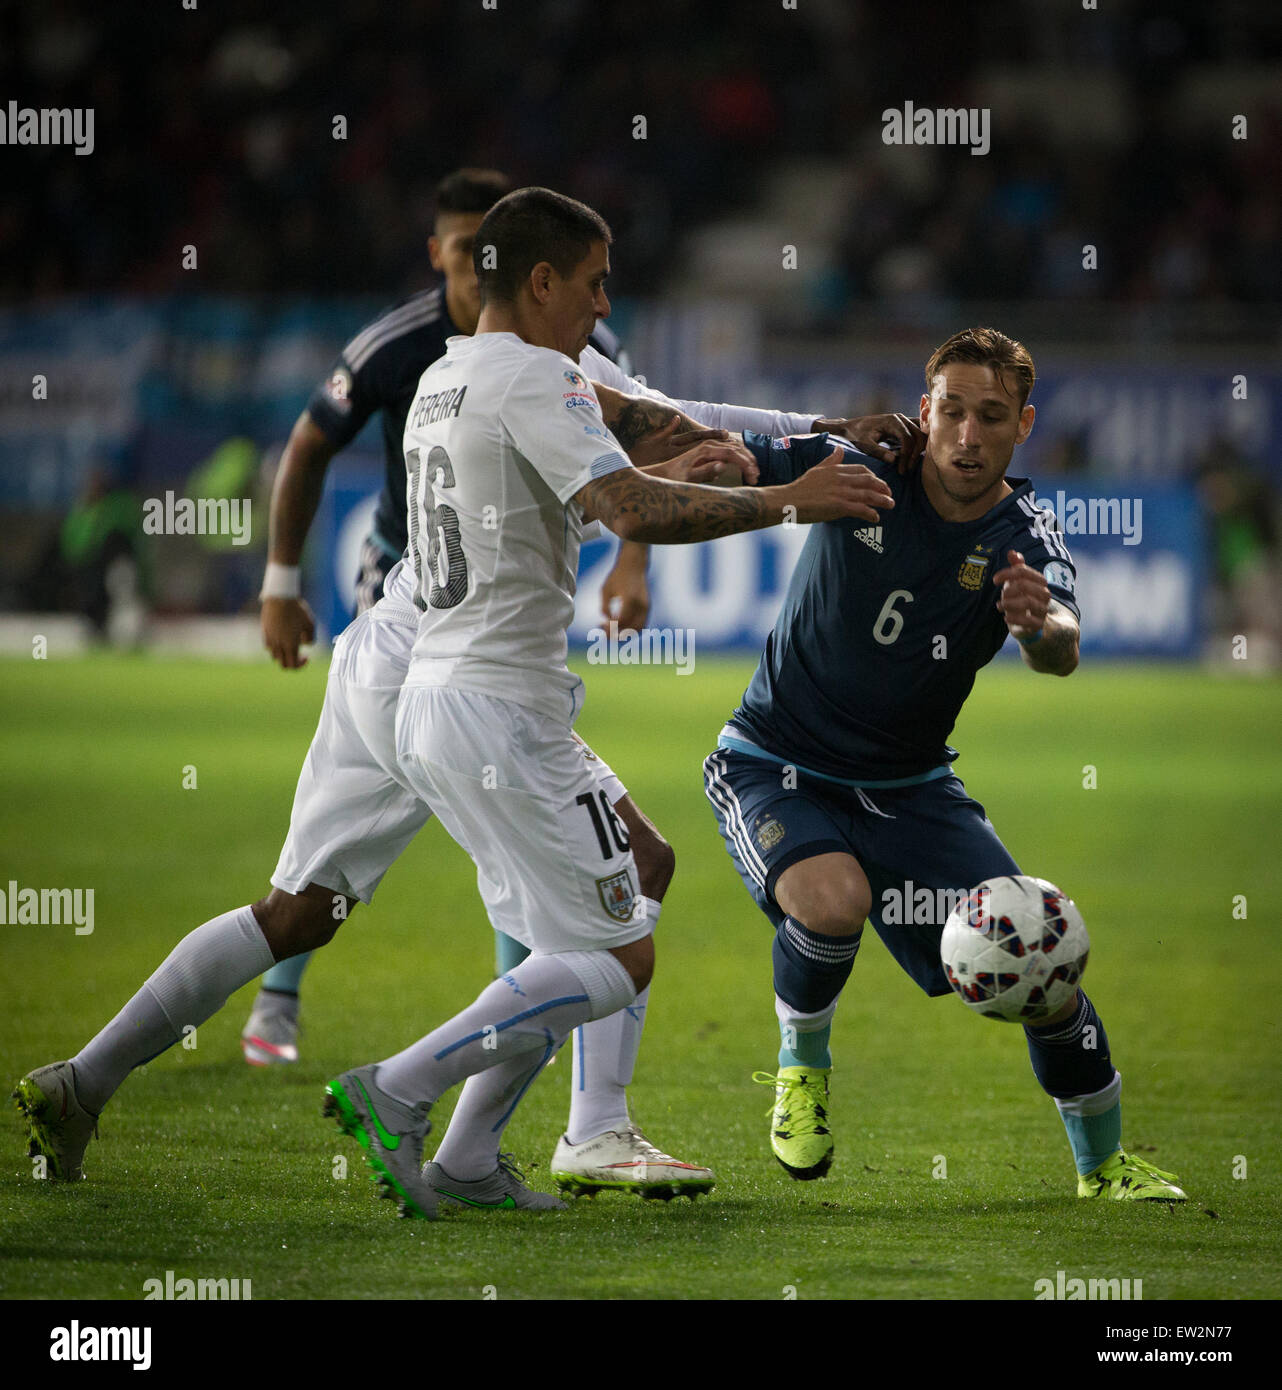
{"points": [[653, 432], [647, 432], [1055, 653], [635, 418], [641, 508], [1046, 631]]}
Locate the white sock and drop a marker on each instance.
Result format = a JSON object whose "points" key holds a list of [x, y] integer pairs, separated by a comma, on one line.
{"points": [[470, 1148], [527, 1009], [804, 1023], [605, 1057], [196, 979]]}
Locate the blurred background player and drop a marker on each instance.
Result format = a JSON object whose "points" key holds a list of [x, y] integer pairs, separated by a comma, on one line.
{"points": [[832, 782]]}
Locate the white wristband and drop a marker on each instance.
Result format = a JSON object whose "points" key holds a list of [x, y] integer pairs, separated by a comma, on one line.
{"points": [[281, 581]]}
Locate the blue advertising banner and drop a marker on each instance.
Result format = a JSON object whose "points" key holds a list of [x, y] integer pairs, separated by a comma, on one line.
{"points": [[1140, 554], [333, 555], [93, 381]]}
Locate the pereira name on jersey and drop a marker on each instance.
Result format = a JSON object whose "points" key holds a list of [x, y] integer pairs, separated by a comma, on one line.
{"points": [[379, 370], [884, 627], [509, 434]]}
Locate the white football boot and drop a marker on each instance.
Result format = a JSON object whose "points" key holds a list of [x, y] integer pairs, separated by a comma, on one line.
{"points": [[624, 1160]]}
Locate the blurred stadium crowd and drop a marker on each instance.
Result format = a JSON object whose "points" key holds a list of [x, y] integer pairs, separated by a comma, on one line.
{"points": [[215, 128]]}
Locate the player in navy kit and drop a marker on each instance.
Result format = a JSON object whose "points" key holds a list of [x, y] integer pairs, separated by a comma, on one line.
{"points": [[832, 781]]}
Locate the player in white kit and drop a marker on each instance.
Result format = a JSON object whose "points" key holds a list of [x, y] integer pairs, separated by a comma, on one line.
{"points": [[353, 814], [506, 449]]}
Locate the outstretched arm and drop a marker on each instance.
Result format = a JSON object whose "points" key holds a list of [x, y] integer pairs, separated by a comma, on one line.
{"points": [[890, 437], [641, 508], [654, 431], [655, 436]]}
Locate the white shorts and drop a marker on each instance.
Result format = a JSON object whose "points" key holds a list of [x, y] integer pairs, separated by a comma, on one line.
{"points": [[353, 810], [525, 797]]}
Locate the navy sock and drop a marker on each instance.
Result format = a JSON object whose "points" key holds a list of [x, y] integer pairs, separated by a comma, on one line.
{"points": [[810, 968], [1071, 1058]]}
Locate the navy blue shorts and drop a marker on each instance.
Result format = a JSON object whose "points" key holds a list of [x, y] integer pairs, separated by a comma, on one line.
{"points": [[920, 846]]}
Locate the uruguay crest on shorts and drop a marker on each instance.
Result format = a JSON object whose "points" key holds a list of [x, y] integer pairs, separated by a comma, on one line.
{"points": [[616, 895], [971, 574]]}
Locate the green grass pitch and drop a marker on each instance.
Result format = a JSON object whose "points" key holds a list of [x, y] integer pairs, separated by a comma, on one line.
{"points": [[209, 1169]]}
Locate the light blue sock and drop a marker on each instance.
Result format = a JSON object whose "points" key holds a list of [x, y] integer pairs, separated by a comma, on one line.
{"points": [[807, 1049], [1094, 1125], [1094, 1137], [287, 975], [508, 953]]}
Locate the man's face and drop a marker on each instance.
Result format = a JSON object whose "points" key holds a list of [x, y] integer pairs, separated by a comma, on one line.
{"points": [[450, 251], [973, 421], [575, 301]]}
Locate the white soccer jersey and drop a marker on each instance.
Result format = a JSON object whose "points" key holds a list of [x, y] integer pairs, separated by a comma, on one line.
{"points": [[597, 367], [500, 437]]}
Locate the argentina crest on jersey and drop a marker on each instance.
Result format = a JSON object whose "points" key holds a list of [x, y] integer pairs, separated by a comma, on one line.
{"points": [[971, 574], [767, 832]]}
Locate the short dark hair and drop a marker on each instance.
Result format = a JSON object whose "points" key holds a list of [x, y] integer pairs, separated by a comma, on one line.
{"points": [[529, 226], [986, 347], [471, 190]]}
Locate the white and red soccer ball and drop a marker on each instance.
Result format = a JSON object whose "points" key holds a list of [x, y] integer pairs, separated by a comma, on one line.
{"points": [[1015, 949]]}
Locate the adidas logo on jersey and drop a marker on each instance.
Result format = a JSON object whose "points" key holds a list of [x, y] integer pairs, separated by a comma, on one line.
{"points": [[871, 536]]}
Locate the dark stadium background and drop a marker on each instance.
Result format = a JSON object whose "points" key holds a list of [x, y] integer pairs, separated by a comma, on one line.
{"points": [[214, 129]]}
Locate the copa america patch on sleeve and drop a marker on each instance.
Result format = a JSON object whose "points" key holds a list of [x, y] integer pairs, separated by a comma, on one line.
{"points": [[1059, 575]]}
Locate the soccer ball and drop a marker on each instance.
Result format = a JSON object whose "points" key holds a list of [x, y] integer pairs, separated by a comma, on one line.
{"points": [[1015, 949]]}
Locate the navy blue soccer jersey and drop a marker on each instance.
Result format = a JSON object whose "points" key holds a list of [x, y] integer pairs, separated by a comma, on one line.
{"points": [[379, 371], [885, 626]]}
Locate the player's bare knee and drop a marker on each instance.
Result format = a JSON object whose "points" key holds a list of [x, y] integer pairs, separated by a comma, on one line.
{"points": [[296, 922], [637, 958], [829, 895], [833, 919]]}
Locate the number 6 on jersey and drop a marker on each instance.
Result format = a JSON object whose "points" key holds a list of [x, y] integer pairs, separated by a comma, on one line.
{"points": [[890, 621]]}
